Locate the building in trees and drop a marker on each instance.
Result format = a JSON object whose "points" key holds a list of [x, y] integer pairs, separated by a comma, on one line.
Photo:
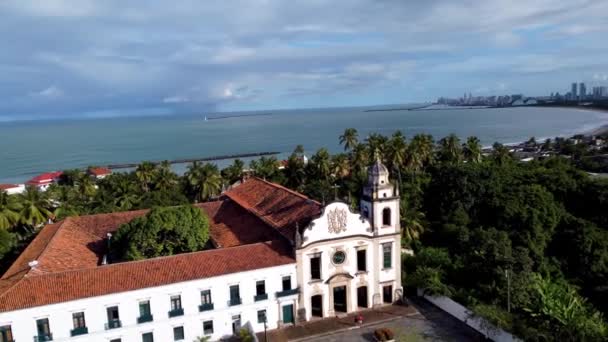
{"points": [[273, 254]]}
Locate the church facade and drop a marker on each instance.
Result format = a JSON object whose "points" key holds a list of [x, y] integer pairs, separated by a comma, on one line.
{"points": [[279, 258]]}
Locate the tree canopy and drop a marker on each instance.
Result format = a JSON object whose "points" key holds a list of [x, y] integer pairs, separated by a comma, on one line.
{"points": [[163, 231]]}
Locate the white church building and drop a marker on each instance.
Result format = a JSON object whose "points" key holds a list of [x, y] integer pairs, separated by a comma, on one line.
{"points": [[277, 257]]}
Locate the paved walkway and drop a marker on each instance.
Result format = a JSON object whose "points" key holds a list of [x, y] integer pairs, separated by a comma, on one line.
{"points": [[420, 321]]}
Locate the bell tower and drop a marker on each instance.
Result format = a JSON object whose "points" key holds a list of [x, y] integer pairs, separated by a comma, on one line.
{"points": [[380, 201]]}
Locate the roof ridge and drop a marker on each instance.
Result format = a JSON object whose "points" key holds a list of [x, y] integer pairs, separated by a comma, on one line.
{"points": [[278, 186], [165, 257]]}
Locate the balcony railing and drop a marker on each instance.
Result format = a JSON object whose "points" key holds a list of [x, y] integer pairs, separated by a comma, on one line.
{"points": [[205, 307], [79, 331], [113, 324], [234, 301], [285, 293], [260, 297], [145, 318], [176, 312], [43, 337]]}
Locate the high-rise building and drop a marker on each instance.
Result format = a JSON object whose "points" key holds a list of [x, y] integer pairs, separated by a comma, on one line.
{"points": [[573, 92], [582, 89]]}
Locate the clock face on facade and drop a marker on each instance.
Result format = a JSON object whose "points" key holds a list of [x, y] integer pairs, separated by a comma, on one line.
{"points": [[338, 257]]}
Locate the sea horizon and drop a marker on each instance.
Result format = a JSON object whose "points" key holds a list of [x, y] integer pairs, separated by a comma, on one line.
{"points": [[35, 147]]}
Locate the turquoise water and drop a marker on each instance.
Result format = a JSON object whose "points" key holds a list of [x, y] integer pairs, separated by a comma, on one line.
{"points": [[28, 148]]}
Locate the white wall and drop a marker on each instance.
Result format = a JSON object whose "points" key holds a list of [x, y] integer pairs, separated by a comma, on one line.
{"points": [[23, 322], [318, 239]]}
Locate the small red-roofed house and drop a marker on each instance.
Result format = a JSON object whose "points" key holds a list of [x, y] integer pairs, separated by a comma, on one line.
{"points": [[12, 189], [43, 181], [99, 172]]}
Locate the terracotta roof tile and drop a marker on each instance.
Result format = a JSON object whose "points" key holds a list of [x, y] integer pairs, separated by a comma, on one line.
{"points": [[99, 171], [276, 205], [231, 225], [59, 287]]}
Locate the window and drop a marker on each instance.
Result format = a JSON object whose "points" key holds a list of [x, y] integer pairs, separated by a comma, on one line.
{"points": [[387, 255], [386, 217], [315, 267], [208, 327], [286, 283], [44, 329], [178, 333], [387, 294], [144, 308], [6, 334], [113, 318], [176, 302], [361, 260], [78, 319], [147, 337], [260, 287], [338, 257], [116, 340], [261, 316], [235, 295], [206, 297]]}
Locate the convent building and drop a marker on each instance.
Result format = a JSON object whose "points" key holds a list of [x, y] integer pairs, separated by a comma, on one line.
{"points": [[278, 258]]}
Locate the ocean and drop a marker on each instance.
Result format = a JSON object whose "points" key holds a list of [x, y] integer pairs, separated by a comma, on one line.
{"points": [[28, 148]]}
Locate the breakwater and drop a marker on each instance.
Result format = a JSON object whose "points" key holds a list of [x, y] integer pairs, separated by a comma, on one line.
{"points": [[190, 160]]}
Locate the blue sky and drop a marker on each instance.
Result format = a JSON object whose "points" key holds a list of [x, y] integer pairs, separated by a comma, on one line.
{"points": [[84, 58]]}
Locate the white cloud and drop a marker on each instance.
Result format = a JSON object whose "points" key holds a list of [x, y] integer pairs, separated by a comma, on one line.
{"points": [[50, 93]]}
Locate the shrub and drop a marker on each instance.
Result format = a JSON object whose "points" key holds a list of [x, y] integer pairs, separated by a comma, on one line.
{"points": [[384, 334]]}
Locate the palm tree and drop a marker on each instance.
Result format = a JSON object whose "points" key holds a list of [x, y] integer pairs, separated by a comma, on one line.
{"points": [[145, 174], [500, 153], [349, 139], [397, 152], [295, 172], [376, 144], [547, 145], [266, 168], [164, 179], [450, 149], [234, 172], [420, 152], [9, 210], [85, 186], [321, 164], [35, 207], [64, 198], [360, 158], [412, 222], [340, 166], [299, 150], [125, 194], [204, 180], [472, 150]]}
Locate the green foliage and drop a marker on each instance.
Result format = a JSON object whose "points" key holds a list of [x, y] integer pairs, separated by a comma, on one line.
{"points": [[162, 232], [8, 241], [245, 335]]}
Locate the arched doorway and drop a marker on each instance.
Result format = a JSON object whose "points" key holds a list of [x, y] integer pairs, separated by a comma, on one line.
{"points": [[362, 297]]}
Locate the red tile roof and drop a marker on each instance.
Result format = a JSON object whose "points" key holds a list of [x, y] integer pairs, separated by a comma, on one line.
{"points": [[45, 178], [8, 186], [99, 171], [69, 252], [279, 207], [59, 287], [233, 226]]}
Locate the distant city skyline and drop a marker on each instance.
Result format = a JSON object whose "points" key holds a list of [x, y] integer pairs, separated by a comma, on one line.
{"points": [[67, 58]]}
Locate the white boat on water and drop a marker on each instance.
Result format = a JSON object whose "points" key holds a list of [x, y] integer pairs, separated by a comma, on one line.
{"points": [[206, 118]]}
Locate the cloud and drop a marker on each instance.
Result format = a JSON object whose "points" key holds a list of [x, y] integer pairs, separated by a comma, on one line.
{"points": [[239, 53], [50, 93]]}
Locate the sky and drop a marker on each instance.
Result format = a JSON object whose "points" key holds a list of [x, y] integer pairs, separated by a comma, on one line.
{"points": [[85, 58]]}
